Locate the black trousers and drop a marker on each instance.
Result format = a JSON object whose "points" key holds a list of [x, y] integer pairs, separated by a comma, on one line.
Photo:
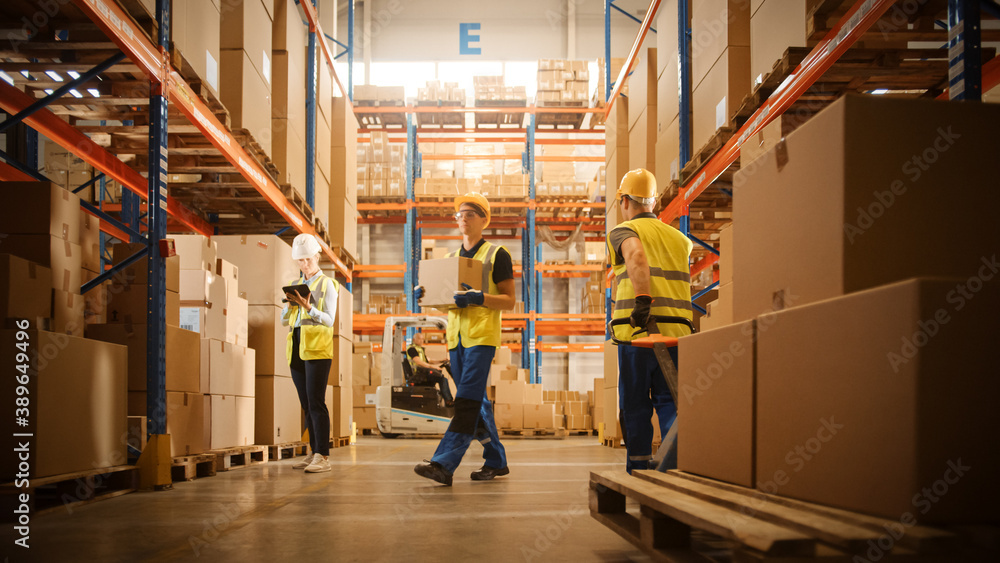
{"points": [[310, 378], [435, 377]]}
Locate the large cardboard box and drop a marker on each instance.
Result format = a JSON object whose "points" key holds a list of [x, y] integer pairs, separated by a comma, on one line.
{"points": [[287, 31], [195, 252], [361, 367], [77, 404], [182, 353], [236, 314], [642, 86], [195, 31], [246, 25], [616, 126], [186, 420], [666, 37], [40, 208], [343, 325], [25, 289], [128, 304], [323, 147], [288, 151], [67, 313], [247, 96], [715, 26], [510, 392], [343, 227], [90, 242], [288, 96], [442, 277], [883, 416], [60, 256], [341, 409], [268, 338], [863, 176], [278, 414], [667, 157], [343, 174], [774, 27], [203, 297], [138, 272], [642, 141], [719, 95], [540, 416], [228, 368], [266, 263], [245, 417], [222, 421], [365, 418], [726, 255], [509, 416], [340, 370], [716, 382]]}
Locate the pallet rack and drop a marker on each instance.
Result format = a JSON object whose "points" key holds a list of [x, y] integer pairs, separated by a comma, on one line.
{"points": [[517, 217], [156, 77], [707, 181]]}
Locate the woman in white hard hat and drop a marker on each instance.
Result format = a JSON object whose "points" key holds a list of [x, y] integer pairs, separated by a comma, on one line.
{"points": [[309, 347]]}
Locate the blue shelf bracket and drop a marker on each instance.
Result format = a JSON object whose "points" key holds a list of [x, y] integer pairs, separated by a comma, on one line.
{"points": [[965, 58], [530, 288], [312, 83], [411, 238]]}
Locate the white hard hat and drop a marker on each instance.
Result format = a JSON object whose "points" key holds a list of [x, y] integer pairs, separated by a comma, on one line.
{"points": [[305, 246]]}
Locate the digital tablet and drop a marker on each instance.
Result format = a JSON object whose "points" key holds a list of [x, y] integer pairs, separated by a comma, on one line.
{"points": [[301, 289]]}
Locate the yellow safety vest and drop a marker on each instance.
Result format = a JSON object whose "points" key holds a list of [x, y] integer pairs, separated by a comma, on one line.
{"points": [[668, 252], [315, 338], [421, 353], [477, 325]]}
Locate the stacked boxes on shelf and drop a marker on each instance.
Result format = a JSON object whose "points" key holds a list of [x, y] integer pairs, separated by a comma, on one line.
{"points": [[775, 25], [642, 113], [866, 380], [288, 103], [519, 405], [379, 95], [381, 168], [592, 300], [195, 31], [572, 407], [667, 148], [436, 91], [563, 83], [245, 68], [600, 96], [386, 305], [214, 305], [266, 265], [720, 65], [491, 89], [342, 226], [437, 169], [68, 171], [75, 382], [365, 380]]}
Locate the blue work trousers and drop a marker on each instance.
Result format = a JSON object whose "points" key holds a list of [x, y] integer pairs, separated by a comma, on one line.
{"points": [[641, 388], [470, 368]]}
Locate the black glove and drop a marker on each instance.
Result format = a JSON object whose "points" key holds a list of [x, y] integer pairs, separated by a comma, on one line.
{"points": [[640, 312]]}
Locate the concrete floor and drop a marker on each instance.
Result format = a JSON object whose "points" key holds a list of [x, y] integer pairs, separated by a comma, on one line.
{"points": [[371, 507]]}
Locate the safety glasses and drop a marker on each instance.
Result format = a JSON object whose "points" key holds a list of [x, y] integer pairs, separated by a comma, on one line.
{"points": [[467, 215]]}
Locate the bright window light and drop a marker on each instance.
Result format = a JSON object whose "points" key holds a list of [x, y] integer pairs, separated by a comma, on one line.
{"points": [[75, 93], [6, 77], [73, 74], [48, 91], [879, 92], [54, 75], [408, 75], [25, 74], [93, 92], [522, 73]]}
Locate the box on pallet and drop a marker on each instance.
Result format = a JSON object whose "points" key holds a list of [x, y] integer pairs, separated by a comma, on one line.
{"points": [[228, 368], [277, 414], [247, 96], [231, 420], [196, 34], [25, 288], [182, 355], [266, 261]]}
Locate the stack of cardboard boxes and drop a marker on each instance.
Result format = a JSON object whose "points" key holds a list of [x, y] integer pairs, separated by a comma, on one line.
{"points": [[573, 407], [519, 405], [379, 95], [365, 381], [775, 25], [599, 98], [213, 305], [667, 134], [434, 169], [488, 89], [342, 223], [380, 168], [245, 66], [386, 305], [75, 383], [642, 113], [288, 103], [616, 157], [828, 385], [592, 300], [563, 83], [195, 31]]}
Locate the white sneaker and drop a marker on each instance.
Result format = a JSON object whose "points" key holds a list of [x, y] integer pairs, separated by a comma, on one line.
{"points": [[320, 464], [305, 462]]}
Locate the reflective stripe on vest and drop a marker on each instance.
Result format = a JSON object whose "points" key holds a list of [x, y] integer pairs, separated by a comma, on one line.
{"points": [[421, 353], [315, 338], [477, 325], [668, 252]]}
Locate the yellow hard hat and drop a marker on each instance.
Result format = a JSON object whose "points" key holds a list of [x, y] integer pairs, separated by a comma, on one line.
{"points": [[638, 183], [477, 199]]}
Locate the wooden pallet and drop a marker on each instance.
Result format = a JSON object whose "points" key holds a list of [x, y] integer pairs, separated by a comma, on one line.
{"points": [[340, 442], [757, 526], [440, 119], [253, 148], [199, 87], [278, 452], [191, 467], [559, 121], [70, 490], [344, 256], [706, 152], [228, 459], [380, 120], [513, 119], [613, 442], [297, 200], [553, 433]]}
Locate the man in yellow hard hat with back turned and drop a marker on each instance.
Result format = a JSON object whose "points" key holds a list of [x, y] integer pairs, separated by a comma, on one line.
{"points": [[650, 262], [473, 339]]}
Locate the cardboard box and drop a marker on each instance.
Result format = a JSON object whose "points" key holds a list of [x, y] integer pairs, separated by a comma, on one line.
{"points": [[340, 370], [67, 313], [361, 367], [266, 263], [246, 25], [667, 156], [853, 176], [25, 289], [222, 421], [617, 126], [441, 278], [642, 141], [287, 31], [90, 242], [341, 410], [288, 97], [343, 324], [715, 26], [40, 208], [288, 153], [509, 416], [511, 392], [867, 420], [228, 368], [196, 32], [230, 273], [245, 416], [726, 255], [533, 394], [363, 395], [502, 357], [186, 421], [277, 412], [138, 272], [642, 86], [365, 418], [343, 228], [774, 27], [763, 141], [78, 405], [716, 382], [610, 378], [58, 255], [210, 317], [720, 94], [195, 252], [268, 338], [540, 416], [128, 304], [182, 353], [246, 95]]}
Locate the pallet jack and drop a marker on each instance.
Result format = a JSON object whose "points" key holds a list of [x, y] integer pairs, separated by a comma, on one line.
{"points": [[666, 454]]}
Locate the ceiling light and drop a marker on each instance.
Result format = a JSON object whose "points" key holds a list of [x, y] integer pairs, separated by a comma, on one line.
{"points": [[54, 75], [76, 94], [73, 74]]}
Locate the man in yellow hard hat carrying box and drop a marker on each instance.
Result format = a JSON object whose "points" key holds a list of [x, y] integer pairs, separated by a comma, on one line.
{"points": [[473, 339], [650, 264]]}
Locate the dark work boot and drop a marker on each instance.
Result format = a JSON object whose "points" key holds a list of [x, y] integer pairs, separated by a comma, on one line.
{"points": [[432, 470], [485, 473]]}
